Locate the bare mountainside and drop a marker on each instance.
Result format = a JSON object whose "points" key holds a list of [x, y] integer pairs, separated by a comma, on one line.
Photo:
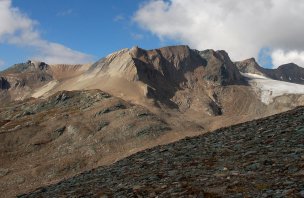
{"points": [[60, 120]]}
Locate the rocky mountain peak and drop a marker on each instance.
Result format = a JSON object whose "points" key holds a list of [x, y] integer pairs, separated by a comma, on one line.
{"points": [[168, 60], [290, 73], [289, 66], [136, 51], [250, 66], [29, 66]]}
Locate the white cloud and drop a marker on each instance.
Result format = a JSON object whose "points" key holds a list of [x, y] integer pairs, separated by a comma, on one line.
{"points": [[1, 63], [280, 57], [119, 17], [137, 36], [65, 12], [242, 27], [18, 29], [57, 53]]}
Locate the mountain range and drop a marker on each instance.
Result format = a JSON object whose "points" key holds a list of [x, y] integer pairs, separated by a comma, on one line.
{"points": [[57, 121]]}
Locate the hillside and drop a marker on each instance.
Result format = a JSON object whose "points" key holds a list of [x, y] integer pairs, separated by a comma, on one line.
{"points": [[260, 158]]}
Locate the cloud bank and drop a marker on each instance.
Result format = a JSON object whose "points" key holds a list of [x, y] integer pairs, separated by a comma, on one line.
{"points": [[16, 28], [242, 27]]}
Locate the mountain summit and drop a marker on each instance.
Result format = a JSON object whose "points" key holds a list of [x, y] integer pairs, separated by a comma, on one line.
{"points": [[288, 72]]}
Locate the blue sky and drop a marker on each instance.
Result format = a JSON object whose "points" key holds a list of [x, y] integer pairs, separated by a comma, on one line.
{"points": [[96, 28], [79, 31]]}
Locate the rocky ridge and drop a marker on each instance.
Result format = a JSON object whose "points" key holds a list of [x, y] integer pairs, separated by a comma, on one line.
{"points": [[287, 72]]}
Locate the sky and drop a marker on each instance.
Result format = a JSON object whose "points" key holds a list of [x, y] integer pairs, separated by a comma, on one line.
{"points": [[81, 31]]}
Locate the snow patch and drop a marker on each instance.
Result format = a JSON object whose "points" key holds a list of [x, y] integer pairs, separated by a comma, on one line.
{"points": [[268, 88]]}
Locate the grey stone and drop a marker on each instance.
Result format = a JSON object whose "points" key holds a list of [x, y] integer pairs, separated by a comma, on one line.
{"points": [[3, 172]]}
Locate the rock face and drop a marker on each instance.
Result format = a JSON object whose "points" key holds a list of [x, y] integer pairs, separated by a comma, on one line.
{"points": [[261, 158], [251, 66], [221, 69], [172, 69], [4, 84]]}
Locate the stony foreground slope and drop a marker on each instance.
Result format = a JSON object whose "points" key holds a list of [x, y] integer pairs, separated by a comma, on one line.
{"points": [[255, 159]]}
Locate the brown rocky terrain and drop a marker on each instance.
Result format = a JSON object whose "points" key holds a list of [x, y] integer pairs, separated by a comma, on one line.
{"points": [[261, 158], [57, 121]]}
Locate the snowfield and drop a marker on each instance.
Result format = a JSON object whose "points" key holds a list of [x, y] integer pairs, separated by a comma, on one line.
{"points": [[269, 88]]}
